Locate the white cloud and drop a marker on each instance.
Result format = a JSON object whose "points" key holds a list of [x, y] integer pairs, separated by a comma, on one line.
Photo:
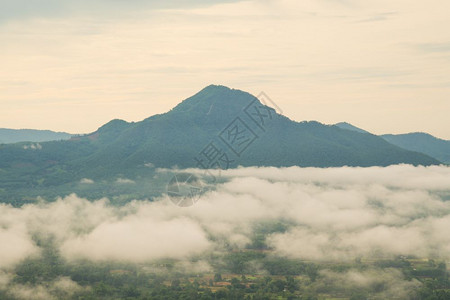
{"points": [[331, 214], [15, 243], [60, 288], [87, 181], [135, 239], [395, 286], [36, 146], [124, 180]]}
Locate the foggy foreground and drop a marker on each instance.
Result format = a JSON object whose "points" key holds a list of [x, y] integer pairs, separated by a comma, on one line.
{"points": [[352, 232]]}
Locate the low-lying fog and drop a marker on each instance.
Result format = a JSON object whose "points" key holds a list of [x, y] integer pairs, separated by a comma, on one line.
{"points": [[331, 214]]}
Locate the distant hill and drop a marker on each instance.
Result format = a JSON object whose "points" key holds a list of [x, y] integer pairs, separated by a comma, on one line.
{"points": [[415, 141], [217, 127], [8, 136], [422, 142]]}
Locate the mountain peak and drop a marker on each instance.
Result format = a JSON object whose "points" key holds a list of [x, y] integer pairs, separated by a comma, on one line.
{"points": [[215, 100], [214, 88], [214, 91], [113, 127]]}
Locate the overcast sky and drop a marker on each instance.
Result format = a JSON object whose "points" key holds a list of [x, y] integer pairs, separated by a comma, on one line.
{"points": [[73, 65]]}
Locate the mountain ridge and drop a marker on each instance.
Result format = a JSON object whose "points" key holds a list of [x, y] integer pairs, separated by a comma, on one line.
{"points": [[421, 142], [233, 123], [348, 126], [8, 135]]}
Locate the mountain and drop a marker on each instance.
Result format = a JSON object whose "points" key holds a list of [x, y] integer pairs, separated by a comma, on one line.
{"points": [[8, 136], [422, 142], [176, 138], [348, 126], [416, 141], [217, 127]]}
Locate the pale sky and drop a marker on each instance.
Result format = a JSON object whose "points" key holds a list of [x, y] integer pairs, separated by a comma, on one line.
{"points": [[73, 65]]}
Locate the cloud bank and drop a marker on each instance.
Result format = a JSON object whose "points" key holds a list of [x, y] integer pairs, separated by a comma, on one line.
{"points": [[332, 214]]}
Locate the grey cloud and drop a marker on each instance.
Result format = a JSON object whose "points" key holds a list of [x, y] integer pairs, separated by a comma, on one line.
{"points": [[23, 9], [30, 8], [378, 17], [434, 47]]}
